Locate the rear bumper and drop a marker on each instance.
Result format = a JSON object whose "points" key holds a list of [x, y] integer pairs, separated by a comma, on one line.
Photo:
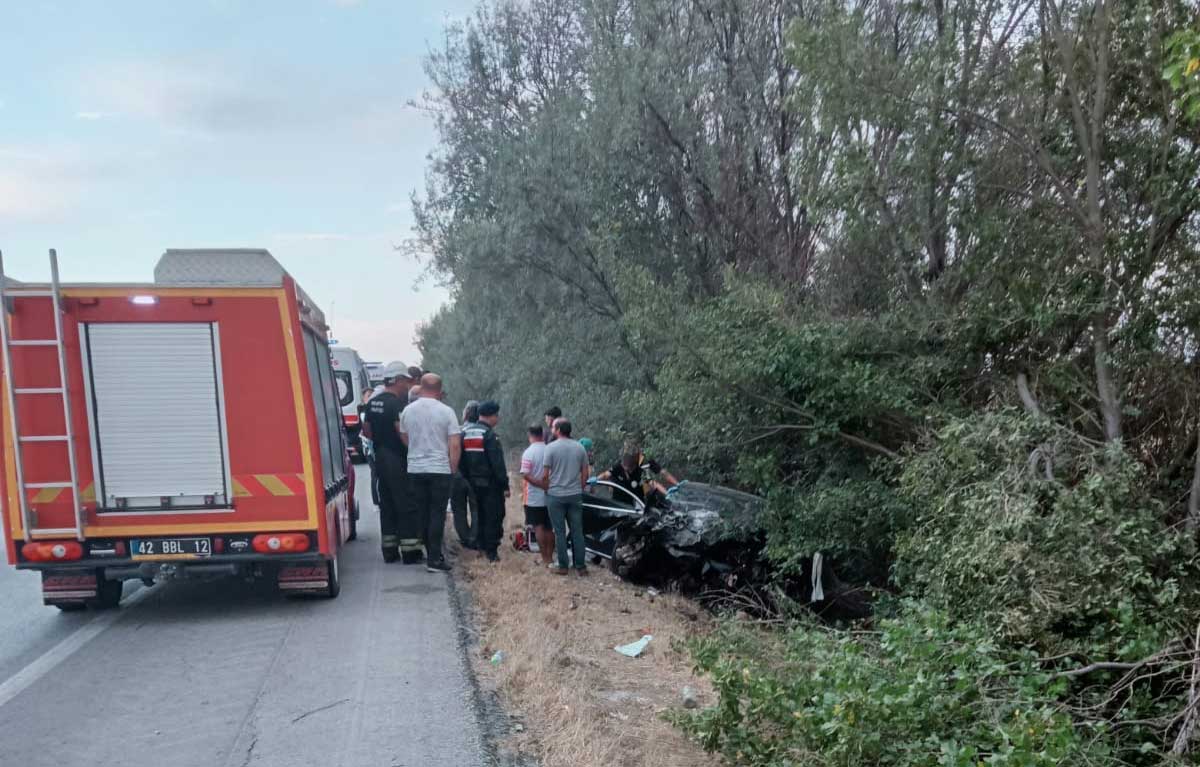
{"points": [[308, 557], [84, 581]]}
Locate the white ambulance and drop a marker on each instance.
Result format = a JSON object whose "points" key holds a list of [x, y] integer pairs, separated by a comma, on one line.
{"points": [[350, 374]]}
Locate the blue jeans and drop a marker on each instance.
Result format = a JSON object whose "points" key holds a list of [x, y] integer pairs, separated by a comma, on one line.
{"points": [[564, 511]]}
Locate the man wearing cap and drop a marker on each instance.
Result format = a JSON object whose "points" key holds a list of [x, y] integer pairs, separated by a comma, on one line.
{"points": [[483, 466], [398, 527]]}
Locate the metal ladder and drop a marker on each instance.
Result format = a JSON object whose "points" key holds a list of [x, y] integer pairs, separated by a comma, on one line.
{"points": [[62, 391]]}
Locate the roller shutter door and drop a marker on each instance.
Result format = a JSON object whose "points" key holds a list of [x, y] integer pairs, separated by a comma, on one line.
{"points": [[157, 414]]}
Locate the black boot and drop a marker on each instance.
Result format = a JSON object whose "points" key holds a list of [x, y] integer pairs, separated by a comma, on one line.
{"points": [[390, 555]]}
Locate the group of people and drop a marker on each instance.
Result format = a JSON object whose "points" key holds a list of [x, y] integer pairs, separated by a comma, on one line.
{"points": [[416, 446], [423, 458], [556, 470]]}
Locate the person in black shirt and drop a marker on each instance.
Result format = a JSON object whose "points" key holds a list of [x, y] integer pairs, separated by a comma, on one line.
{"points": [[633, 472], [398, 525]]}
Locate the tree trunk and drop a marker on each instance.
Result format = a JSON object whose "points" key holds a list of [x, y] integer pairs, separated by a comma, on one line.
{"points": [[1193, 516], [1110, 401]]}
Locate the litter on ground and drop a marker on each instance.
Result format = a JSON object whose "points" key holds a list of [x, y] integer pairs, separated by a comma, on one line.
{"points": [[634, 649]]}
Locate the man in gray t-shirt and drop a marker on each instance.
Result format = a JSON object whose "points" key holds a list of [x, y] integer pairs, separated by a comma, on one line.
{"points": [[566, 475], [431, 433]]}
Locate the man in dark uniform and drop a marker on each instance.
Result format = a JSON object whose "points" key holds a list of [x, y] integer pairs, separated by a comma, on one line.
{"points": [[483, 466], [397, 523]]}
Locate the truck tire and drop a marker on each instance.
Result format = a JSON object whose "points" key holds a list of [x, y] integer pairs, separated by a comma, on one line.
{"points": [[335, 578], [108, 593]]}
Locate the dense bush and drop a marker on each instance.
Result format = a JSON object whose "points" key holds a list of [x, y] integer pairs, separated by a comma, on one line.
{"points": [[854, 520], [921, 691], [1036, 531]]}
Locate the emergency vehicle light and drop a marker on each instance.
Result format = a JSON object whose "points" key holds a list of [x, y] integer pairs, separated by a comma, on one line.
{"points": [[52, 551], [280, 543]]}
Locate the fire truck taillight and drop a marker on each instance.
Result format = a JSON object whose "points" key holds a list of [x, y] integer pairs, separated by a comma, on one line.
{"points": [[52, 551], [280, 543]]}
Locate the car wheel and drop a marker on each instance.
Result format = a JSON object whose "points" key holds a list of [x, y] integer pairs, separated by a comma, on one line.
{"points": [[108, 593]]}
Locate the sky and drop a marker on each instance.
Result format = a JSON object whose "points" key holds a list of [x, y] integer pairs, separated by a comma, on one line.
{"points": [[130, 127]]}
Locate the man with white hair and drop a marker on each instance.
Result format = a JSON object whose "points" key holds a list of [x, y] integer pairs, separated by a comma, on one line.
{"points": [[398, 525]]}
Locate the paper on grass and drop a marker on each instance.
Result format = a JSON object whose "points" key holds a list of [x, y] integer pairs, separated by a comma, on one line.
{"points": [[634, 649]]}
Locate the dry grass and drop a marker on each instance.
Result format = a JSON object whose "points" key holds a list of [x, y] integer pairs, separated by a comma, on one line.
{"points": [[580, 703]]}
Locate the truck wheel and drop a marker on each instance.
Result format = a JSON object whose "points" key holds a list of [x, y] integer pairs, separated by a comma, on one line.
{"points": [[353, 523], [335, 578], [108, 593]]}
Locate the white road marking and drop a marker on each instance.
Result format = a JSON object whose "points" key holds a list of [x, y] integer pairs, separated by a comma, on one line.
{"points": [[18, 682]]}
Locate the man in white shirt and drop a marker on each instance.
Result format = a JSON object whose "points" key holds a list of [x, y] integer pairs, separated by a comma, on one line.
{"points": [[430, 430], [533, 467]]}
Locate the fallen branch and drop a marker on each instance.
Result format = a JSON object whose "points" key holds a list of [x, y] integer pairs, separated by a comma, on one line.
{"points": [[1191, 719], [1101, 666]]}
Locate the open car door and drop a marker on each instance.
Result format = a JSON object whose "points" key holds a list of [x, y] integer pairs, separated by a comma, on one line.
{"points": [[606, 508]]}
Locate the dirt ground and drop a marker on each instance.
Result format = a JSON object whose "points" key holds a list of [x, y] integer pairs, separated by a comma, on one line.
{"points": [[573, 700]]}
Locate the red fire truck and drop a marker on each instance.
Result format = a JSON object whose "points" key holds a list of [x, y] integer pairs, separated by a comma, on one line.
{"points": [[188, 427]]}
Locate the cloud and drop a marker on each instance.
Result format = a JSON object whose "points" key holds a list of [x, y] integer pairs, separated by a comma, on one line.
{"points": [[312, 237], [213, 99], [377, 339], [44, 182], [88, 115], [192, 98]]}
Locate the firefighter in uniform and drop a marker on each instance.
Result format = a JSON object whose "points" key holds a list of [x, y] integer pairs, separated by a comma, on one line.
{"points": [[483, 466], [398, 526]]}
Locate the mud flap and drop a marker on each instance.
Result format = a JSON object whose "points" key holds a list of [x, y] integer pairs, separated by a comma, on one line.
{"points": [[304, 579], [68, 587]]}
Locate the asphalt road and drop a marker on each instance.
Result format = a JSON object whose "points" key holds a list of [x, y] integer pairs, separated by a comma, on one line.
{"points": [[228, 673]]}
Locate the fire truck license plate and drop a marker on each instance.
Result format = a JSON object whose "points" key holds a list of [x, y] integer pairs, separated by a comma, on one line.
{"points": [[179, 548]]}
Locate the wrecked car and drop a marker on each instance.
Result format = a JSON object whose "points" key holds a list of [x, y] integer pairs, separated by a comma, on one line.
{"points": [[702, 535]]}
